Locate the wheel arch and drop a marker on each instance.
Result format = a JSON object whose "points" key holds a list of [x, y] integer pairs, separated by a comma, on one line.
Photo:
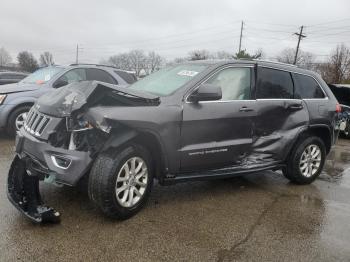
{"points": [[321, 131], [16, 107], [146, 138]]}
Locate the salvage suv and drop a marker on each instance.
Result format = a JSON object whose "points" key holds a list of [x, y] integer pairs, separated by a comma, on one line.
{"points": [[192, 121]]}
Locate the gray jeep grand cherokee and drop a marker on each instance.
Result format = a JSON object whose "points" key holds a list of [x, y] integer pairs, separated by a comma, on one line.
{"points": [[192, 121]]}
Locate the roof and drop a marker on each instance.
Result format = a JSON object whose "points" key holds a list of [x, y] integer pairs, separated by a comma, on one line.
{"points": [[266, 63]]}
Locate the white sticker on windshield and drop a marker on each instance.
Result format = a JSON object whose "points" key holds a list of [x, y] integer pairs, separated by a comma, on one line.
{"points": [[47, 77], [187, 73]]}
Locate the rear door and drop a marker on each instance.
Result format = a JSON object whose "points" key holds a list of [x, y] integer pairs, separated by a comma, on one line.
{"points": [[280, 116], [218, 133]]}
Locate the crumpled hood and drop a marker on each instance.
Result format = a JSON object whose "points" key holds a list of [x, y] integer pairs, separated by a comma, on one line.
{"points": [[17, 87], [63, 101]]}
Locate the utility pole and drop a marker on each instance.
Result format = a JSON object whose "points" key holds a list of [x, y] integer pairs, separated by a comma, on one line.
{"points": [[240, 38], [77, 55], [300, 36]]}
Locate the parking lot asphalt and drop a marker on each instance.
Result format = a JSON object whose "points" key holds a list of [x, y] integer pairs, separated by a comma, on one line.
{"points": [[257, 217]]}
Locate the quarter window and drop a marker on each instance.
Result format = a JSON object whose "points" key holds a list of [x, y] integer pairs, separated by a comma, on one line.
{"points": [[234, 83], [306, 87], [274, 83], [100, 75]]}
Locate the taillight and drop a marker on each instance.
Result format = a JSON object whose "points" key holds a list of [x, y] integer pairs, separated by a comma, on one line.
{"points": [[338, 108]]}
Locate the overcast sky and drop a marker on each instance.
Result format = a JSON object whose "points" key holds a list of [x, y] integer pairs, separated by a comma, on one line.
{"points": [[171, 28]]}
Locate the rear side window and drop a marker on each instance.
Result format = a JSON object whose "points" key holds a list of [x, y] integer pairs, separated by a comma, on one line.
{"points": [[127, 77], [100, 75], [274, 83], [306, 87]]}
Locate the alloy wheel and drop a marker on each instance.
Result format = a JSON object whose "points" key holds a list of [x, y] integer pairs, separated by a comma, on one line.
{"points": [[20, 119], [131, 182], [310, 160]]}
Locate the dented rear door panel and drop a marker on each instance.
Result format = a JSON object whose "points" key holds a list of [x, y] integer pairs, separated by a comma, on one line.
{"points": [[277, 125]]}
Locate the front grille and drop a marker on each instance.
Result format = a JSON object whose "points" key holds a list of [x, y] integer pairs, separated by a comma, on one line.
{"points": [[36, 122]]}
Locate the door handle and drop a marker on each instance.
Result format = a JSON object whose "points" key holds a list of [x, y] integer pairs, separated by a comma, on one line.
{"points": [[245, 109], [295, 106]]}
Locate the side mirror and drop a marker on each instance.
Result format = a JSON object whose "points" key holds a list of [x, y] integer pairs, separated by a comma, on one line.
{"points": [[206, 92], [60, 82]]}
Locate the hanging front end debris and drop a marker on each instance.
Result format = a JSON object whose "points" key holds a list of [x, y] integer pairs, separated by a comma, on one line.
{"points": [[23, 192]]}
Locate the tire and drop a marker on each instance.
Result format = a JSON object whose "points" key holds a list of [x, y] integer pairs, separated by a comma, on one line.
{"points": [[11, 123], [298, 172], [103, 186]]}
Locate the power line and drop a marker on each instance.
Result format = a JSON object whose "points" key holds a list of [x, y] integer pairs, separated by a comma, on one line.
{"points": [[329, 22], [329, 28], [273, 24]]}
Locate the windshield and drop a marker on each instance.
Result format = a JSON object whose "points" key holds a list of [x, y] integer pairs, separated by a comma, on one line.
{"points": [[42, 75], [168, 80]]}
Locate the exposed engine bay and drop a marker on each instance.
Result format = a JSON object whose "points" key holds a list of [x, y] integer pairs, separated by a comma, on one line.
{"points": [[61, 138]]}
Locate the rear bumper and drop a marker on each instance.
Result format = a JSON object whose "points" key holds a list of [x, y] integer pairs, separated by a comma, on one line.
{"points": [[42, 159]]}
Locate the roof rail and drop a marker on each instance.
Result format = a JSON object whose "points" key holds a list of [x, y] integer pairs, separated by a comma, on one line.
{"points": [[274, 62], [95, 65]]}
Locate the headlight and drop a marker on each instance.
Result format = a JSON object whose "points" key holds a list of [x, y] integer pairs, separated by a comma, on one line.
{"points": [[2, 98]]}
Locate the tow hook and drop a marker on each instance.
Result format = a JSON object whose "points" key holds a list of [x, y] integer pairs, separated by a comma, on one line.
{"points": [[23, 192]]}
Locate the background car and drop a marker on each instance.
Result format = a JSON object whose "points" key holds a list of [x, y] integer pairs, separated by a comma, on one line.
{"points": [[11, 77], [342, 93], [17, 99]]}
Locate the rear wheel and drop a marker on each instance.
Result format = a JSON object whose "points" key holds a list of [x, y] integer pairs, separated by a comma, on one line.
{"points": [[306, 160], [16, 119], [120, 183]]}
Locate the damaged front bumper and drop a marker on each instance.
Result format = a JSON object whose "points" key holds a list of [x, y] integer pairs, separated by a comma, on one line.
{"points": [[38, 161]]}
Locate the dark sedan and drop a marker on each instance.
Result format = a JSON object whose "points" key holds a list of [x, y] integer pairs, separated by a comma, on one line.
{"points": [[11, 77]]}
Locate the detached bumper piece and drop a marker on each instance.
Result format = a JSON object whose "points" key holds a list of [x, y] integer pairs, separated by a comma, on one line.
{"points": [[23, 192]]}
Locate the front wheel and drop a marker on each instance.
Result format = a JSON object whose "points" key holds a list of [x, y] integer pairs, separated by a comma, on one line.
{"points": [[16, 119], [120, 182], [306, 160]]}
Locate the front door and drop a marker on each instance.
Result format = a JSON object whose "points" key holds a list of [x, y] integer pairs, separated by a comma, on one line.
{"points": [[216, 134]]}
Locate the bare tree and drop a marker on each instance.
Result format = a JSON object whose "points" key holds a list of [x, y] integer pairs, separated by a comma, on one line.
{"points": [[5, 57], [154, 62], [120, 61], [46, 59], [199, 55], [27, 62], [340, 63], [137, 61], [305, 59], [337, 68]]}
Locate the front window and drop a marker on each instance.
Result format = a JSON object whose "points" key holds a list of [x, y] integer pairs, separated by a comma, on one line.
{"points": [[234, 83], [168, 80], [42, 75]]}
